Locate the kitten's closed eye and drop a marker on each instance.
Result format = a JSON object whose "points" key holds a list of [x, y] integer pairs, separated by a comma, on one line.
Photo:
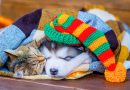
{"points": [[28, 58], [47, 58]]}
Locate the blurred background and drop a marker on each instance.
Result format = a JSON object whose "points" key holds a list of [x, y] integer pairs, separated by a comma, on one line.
{"points": [[14, 9]]}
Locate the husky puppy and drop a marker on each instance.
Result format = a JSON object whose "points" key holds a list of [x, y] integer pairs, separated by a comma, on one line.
{"points": [[61, 59]]}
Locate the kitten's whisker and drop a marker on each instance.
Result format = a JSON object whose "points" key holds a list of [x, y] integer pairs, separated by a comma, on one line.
{"points": [[33, 52]]}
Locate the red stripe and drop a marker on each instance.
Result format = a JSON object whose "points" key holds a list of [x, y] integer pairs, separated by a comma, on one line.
{"points": [[75, 44], [111, 67], [54, 18], [82, 37], [60, 29], [74, 25], [47, 37], [105, 55]]}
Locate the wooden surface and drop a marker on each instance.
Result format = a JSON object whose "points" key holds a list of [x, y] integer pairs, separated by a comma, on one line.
{"points": [[91, 82], [14, 9]]}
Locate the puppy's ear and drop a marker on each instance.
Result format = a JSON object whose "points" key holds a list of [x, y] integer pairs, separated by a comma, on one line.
{"points": [[81, 48], [12, 54], [87, 50]]}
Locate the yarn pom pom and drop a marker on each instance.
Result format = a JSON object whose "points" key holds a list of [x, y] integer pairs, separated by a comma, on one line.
{"points": [[118, 75]]}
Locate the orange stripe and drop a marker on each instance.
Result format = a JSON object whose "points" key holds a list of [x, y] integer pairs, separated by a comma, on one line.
{"points": [[65, 33], [51, 24], [62, 19], [74, 25], [105, 55], [109, 61], [82, 37], [80, 29], [97, 43]]}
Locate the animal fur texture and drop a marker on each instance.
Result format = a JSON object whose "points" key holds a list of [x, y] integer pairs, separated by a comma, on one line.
{"points": [[61, 59], [28, 28], [25, 60]]}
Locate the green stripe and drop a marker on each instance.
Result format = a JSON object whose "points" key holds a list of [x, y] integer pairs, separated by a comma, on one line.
{"points": [[55, 20], [60, 37], [68, 22], [91, 38], [59, 15], [102, 48]]}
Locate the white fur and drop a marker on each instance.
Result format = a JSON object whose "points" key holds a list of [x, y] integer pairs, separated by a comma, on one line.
{"points": [[46, 52], [52, 45], [63, 52], [64, 67]]}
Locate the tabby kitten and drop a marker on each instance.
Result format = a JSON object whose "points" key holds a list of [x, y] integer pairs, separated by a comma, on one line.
{"points": [[25, 61]]}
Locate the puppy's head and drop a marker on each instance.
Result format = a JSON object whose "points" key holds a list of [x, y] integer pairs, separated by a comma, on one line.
{"points": [[62, 59]]}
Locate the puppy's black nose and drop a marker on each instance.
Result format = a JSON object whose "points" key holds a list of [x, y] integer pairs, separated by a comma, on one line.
{"points": [[53, 71]]}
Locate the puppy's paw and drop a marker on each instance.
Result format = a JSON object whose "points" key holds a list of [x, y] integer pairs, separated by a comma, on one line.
{"points": [[87, 61]]}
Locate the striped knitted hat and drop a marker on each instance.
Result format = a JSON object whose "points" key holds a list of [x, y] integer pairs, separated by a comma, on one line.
{"points": [[69, 30]]}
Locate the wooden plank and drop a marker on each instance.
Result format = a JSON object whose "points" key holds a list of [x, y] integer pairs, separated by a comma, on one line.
{"points": [[21, 84], [110, 4], [15, 9], [92, 82]]}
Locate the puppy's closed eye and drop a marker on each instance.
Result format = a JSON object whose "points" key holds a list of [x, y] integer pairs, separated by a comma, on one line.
{"points": [[67, 58]]}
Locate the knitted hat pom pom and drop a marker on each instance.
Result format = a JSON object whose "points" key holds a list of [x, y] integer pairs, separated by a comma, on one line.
{"points": [[69, 30], [118, 75]]}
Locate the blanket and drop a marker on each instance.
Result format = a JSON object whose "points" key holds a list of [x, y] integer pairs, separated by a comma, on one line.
{"points": [[31, 27]]}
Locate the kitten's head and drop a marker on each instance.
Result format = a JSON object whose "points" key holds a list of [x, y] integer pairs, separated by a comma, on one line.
{"points": [[25, 61]]}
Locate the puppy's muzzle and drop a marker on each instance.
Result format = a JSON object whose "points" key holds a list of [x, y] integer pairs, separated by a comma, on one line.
{"points": [[53, 71]]}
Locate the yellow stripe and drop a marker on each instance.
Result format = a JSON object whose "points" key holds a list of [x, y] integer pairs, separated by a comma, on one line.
{"points": [[65, 33], [80, 29], [51, 24], [109, 61], [97, 43], [62, 19]]}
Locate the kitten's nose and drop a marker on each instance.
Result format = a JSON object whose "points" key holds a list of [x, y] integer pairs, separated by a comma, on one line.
{"points": [[53, 71]]}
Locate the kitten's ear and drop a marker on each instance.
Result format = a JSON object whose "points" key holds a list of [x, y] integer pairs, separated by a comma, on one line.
{"points": [[19, 73], [32, 44], [12, 54]]}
